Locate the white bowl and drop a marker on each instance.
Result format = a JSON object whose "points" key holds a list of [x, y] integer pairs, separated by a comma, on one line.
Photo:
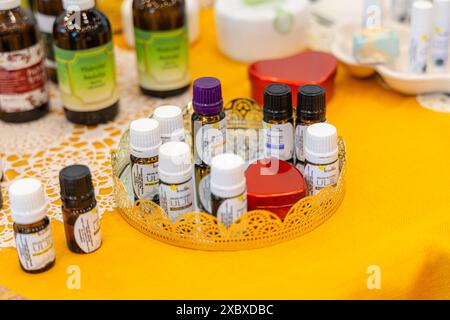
{"points": [[395, 74], [264, 31]]}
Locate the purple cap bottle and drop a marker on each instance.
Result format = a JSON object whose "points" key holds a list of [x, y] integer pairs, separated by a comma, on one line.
{"points": [[207, 96]]}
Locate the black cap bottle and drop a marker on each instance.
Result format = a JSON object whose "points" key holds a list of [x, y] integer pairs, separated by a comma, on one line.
{"points": [[81, 220], [311, 109], [278, 123]]}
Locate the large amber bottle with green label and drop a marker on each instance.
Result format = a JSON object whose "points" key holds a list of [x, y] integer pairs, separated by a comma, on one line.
{"points": [[162, 47], [84, 54]]}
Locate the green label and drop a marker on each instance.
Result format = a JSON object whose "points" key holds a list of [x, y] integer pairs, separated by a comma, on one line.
{"points": [[163, 59], [87, 78]]}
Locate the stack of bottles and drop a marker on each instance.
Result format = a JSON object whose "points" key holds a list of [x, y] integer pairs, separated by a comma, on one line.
{"points": [[300, 155], [71, 43]]}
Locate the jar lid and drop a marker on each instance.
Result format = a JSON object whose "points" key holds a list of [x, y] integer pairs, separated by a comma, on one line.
{"points": [[145, 138], [274, 183], [170, 119]]}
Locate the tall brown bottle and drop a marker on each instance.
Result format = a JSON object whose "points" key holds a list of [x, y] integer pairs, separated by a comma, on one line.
{"points": [[84, 53], [23, 89], [162, 47], [46, 13]]}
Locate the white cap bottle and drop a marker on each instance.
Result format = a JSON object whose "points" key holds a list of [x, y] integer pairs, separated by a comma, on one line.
{"points": [[78, 5], [32, 228], [228, 188], [145, 138], [321, 145], [175, 162], [227, 175], [322, 157], [421, 28], [170, 119], [9, 4], [28, 204], [176, 189]]}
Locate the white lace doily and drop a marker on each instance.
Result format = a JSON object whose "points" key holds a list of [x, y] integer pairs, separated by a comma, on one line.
{"points": [[439, 102], [42, 148]]}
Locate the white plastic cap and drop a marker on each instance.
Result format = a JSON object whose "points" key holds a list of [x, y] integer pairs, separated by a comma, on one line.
{"points": [[145, 139], [175, 162], [78, 5], [421, 17], [321, 144], [28, 204], [170, 120], [442, 13], [227, 175], [9, 4]]}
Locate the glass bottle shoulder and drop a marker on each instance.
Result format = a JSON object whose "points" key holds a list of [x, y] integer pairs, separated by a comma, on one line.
{"points": [[82, 30]]}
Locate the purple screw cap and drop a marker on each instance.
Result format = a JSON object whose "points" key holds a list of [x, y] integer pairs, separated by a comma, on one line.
{"points": [[207, 96]]}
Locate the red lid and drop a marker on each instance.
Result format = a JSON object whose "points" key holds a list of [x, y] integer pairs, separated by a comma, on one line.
{"points": [[274, 183], [311, 67]]}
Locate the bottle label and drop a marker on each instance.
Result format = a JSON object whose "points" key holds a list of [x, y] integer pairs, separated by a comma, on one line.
{"points": [[210, 140], [279, 141], [23, 79], [204, 193], [232, 209], [87, 78], [35, 249], [146, 180], [440, 47], [177, 199], [321, 176], [300, 133], [163, 59], [87, 231], [45, 23]]}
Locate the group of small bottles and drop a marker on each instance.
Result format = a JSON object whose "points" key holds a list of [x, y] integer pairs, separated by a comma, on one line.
{"points": [[313, 145], [161, 161], [32, 228], [79, 56]]}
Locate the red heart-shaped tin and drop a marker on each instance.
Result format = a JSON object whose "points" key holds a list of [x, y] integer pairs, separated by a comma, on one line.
{"points": [[310, 67]]}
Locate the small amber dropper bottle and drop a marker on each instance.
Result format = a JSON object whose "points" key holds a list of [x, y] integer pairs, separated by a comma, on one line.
{"points": [[79, 206]]}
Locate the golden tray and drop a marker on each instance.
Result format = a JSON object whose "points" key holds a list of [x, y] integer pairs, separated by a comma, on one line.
{"points": [[201, 231]]}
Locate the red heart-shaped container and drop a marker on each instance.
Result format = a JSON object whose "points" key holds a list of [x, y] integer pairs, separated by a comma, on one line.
{"points": [[310, 67]]}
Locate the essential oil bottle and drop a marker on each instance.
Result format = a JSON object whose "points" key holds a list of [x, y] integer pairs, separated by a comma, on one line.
{"points": [[209, 127], [23, 81], [32, 228], [79, 207], [176, 186], [278, 123], [171, 125], [46, 13], [162, 47], [145, 141], [84, 53], [311, 109], [228, 188], [322, 157]]}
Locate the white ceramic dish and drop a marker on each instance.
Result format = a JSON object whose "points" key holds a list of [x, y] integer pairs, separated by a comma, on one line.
{"points": [[261, 30], [395, 74]]}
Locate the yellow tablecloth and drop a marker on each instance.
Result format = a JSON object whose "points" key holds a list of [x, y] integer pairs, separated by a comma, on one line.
{"points": [[396, 215]]}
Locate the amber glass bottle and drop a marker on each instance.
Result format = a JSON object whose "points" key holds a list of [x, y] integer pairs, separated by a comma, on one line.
{"points": [[162, 47], [47, 11], [23, 88], [85, 61], [79, 207], [209, 136]]}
